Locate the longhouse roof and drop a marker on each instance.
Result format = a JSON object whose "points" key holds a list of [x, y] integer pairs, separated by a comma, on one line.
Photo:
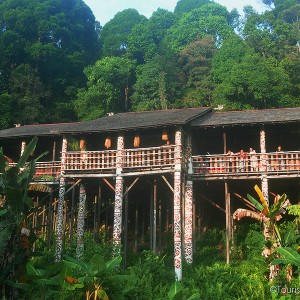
{"points": [[116, 122], [249, 117]]}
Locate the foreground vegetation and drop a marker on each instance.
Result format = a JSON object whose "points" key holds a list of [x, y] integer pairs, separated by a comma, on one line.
{"points": [[149, 276], [28, 272]]}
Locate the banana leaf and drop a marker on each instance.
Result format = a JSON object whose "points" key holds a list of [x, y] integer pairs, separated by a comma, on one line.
{"points": [[261, 198], [27, 152], [257, 205], [288, 256]]}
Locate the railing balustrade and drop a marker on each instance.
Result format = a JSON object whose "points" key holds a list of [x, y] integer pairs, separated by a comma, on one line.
{"points": [[247, 164], [47, 169], [149, 158], [162, 158], [91, 160]]}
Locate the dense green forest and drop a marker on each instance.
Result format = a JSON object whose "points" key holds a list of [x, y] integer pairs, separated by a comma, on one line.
{"points": [[59, 64]]}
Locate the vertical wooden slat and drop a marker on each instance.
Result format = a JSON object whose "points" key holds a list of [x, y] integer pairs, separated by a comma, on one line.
{"points": [[228, 222], [154, 214], [136, 222], [125, 229]]}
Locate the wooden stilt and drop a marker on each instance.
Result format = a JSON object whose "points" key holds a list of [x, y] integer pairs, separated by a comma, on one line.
{"points": [[194, 227], [264, 180], [80, 221], [154, 214], [151, 218], [95, 232], [99, 212], [136, 229], [159, 228], [167, 220], [224, 143], [199, 225], [125, 229], [177, 229], [43, 222], [228, 222], [50, 218], [143, 226], [54, 214], [72, 217], [188, 225], [118, 198], [65, 216], [60, 206]]}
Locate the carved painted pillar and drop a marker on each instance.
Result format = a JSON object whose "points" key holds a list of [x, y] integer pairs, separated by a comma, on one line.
{"points": [[80, 221], [263, 165], [60, 205], [188, 208], [177, 206], [188, 224], [118, 197], [23, 146]]}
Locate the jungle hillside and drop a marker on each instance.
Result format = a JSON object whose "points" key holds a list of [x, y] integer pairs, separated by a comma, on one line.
{"points": [[58, 64]]}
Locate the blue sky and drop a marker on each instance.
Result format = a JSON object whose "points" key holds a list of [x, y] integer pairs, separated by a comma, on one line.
{"points": [[104, 10]]}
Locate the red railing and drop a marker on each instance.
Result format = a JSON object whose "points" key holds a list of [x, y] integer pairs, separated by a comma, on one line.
{"points": [[47, 169], [90, 161], [149, 158], [272, 162]]}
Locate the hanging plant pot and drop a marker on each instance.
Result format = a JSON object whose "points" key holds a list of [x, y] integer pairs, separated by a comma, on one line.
{"points": [[107, 143], [82, 145], [136, 141], [164, 135]]}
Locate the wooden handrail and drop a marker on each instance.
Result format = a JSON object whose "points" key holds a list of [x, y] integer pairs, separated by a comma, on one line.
{"points": [[271, 162]]}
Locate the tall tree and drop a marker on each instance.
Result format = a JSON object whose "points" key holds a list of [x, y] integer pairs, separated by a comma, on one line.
{"points": [[186, 6], [145, 40], [211, 19], [157, 84], [114, 35], [28, 95], [254, 82], [56, 38], [108, 88], [196, 65]]}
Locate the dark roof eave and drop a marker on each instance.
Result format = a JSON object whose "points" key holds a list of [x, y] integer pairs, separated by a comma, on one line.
{"points": [[245, 124]]}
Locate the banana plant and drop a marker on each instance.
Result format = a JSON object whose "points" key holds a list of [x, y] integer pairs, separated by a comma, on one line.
{"points": [[268, 215], [265, 213], [287, 256], [15, 205]]}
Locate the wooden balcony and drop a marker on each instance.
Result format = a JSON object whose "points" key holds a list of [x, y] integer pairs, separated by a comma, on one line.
{"points": [[51, 169], [46, 171], [149, 159], [91, 162], [79, 163], [272, 164]]}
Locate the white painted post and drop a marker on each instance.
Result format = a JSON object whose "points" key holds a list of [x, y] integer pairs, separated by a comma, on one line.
{"points": [[263, 162], [118, 197], [80, 221], [177, 206], [60, 205]]}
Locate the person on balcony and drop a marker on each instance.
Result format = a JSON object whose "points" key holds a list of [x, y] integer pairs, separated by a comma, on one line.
{"points": [[230, 161], [242, 160], [279, 158], [253, 160], [166, 153], [83, 154]]}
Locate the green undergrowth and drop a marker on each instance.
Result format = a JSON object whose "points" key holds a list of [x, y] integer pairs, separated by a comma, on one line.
{"points": [[209, 277]]}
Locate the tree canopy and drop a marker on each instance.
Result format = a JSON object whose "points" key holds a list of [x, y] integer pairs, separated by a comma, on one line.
{"points": [[59, 64]]}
